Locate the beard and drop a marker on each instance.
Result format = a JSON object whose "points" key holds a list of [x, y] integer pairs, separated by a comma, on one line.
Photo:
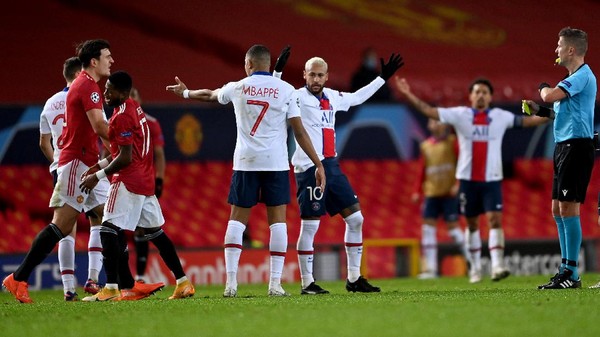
{"points": [[315, 89]]}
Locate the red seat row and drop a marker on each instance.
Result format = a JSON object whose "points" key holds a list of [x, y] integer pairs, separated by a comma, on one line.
{"points": [[196, 210]]}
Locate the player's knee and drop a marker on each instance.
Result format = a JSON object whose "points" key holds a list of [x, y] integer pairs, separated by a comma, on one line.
{"points": [[495, 220], [354, 221], [152, 233], [109, 237]]}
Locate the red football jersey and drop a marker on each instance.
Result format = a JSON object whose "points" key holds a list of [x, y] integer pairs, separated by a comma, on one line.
{"points": [[155, 131], [78, 140], [129, 126]]}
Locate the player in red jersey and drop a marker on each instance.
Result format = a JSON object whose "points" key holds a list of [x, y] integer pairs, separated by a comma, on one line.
{"points": [[131, 202], [158, 144], [84, 122], [51, 128]]}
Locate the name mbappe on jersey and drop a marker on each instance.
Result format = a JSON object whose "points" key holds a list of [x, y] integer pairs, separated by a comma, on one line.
{"points": [[260, 92]]}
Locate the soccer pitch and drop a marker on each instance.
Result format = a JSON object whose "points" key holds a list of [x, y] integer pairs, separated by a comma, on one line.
{"points": [[405, 307]]}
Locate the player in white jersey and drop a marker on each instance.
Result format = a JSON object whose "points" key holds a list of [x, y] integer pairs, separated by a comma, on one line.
{"points": [[51, 125], [263, 106], [319, 106], [480, 131]]}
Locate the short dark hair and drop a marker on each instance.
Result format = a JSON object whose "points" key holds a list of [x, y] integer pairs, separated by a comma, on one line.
{"points": [[90, 49], [576, 38], [121, 81], [71, 67], [483, 81], [259, 53]]}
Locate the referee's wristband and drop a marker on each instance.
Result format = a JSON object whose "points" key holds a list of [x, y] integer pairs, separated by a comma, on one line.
{"points": [[186, 94], [100, 174], [103, 163], [543, 85]]}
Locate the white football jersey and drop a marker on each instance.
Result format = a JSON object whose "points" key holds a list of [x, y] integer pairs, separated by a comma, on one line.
{"points": [[262, 106], [480, 135], [51, 121], [318, 118]]}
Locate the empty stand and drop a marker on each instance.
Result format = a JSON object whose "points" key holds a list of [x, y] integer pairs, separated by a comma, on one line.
{"points": [[444, 47], [195, 206]]}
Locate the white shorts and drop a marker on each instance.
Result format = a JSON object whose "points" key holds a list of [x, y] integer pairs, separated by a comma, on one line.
{"points": [[128, 210], [67, 191]]}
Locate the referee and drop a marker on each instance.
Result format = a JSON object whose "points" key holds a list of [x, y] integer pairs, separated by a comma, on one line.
{"points": [[573, 101]]}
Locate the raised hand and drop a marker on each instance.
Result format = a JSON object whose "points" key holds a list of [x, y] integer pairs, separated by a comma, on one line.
{"points": [[178, 88], [530, 107], [394, 63], [402, 85], [282, 59]]}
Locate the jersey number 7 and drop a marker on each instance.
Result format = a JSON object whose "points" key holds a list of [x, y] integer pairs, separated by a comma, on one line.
{"points": [[265, 107]]}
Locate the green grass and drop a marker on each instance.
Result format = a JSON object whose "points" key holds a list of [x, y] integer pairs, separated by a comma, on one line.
{"points": [[406, 307]]}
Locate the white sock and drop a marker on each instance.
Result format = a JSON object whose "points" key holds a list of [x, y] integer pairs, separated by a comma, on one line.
{"points": [[496, 244], [94, 253], [353, 242], [429, 249], [111, 286], [181, 280], [66, 262], [278, 247], [308, 229], [459, 238], [473, 243], [233, 250]]}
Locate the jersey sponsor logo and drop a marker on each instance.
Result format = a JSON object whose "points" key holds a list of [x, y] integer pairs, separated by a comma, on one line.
{"points": [[126, 134], [481, 132], [327, 116], [95, 97]]}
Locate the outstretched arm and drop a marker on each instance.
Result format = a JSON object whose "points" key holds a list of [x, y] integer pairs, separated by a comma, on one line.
{"points": [[204, 95], [422, 107]]}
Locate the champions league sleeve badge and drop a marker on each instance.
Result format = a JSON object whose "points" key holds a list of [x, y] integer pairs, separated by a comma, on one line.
{"points": [[95, 97]]}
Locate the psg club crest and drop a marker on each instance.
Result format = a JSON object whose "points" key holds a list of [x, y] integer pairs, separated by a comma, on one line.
{"points": [[95, 97], [316, 206]]}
